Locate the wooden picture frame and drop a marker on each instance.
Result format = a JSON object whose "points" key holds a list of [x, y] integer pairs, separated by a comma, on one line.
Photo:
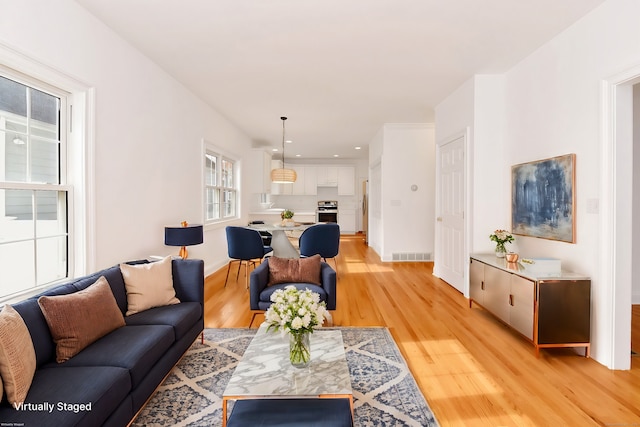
{"points": [[543, 198]]}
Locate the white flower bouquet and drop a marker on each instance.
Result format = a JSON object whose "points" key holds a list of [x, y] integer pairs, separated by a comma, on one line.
{"points": [[296, 313], [501, 237]]}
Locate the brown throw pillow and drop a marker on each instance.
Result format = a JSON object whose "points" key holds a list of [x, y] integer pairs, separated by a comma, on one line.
{"points": [[78, 319], [17, 355], [148, 285], [296, 270]]}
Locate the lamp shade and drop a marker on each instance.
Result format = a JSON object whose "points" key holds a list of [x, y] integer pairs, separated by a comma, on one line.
{"points": [[183, 236], [283, 176]]}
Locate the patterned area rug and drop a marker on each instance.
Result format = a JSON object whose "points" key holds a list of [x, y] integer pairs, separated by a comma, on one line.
{"points": [[385, 393]]}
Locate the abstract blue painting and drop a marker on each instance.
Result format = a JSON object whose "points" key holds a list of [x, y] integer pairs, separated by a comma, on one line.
{"points": [[543, 198]]}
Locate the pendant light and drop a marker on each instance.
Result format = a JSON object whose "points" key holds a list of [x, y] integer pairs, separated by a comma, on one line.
{"points": [[283, 175]]}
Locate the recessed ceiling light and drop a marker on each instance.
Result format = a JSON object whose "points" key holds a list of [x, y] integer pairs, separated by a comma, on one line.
{"points": [[288, 141], [358, 148], [274, 149], [336, 155], [298, 155]]}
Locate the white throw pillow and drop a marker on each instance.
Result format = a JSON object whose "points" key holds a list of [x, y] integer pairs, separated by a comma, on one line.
{"points": [[148, 285]]}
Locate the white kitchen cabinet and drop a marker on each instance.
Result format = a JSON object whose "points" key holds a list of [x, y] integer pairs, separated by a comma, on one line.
{"points": [[305, 185], [259, 162], [347, 221], [297, 188], [346, 181], [310, 177], [327, 176], [276, 189], [310, 180]]}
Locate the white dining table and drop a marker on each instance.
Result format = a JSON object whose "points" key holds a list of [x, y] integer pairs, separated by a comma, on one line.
{"points": [[282, 247]]}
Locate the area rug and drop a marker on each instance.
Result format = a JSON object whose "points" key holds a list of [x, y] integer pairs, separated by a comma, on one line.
{"points": [[385, 393]]}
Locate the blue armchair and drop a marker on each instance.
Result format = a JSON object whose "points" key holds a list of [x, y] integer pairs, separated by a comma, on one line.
{"points": [[260, 293]]}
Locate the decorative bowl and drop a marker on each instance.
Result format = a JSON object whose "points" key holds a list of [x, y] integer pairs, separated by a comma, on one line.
{"points": [[512, 257]]}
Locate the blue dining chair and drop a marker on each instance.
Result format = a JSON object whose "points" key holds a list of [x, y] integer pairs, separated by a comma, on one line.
{"points": [[244, 245], [322, 239]]}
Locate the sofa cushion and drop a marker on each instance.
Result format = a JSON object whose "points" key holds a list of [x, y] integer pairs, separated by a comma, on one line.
{"points": [[136, 348], [17, 356], [181, 317], [105, 388], [78, 319], [288, 270], [148, 285]]}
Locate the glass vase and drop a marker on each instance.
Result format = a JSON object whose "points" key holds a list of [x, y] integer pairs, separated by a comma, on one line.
{"points": [[501, 251], [299, 349]]}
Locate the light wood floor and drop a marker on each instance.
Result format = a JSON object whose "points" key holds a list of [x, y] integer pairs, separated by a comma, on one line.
{"points": [[473, 370]]}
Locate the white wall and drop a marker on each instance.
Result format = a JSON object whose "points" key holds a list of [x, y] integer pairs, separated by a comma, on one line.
{"points": [[635, 291], [552, 107], [375, 236], [148, 131], [407, 157], [476, 110], [488, 152]]}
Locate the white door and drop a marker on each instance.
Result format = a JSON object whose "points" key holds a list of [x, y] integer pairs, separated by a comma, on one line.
{"points": [[451, 256]]}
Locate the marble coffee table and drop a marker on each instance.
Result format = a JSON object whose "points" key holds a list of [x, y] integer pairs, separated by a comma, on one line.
{"points": [[265, 372]]}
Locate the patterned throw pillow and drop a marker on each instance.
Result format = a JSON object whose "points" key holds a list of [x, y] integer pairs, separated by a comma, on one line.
{"points": [[294, 270], [17, 355], [78, 319], [148, 285]]}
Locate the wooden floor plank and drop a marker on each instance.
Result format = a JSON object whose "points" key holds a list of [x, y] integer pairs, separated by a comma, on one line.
{"points": [[473, 370]]}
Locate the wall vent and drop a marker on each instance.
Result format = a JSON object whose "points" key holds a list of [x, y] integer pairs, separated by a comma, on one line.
{"points": [[411, 256]]}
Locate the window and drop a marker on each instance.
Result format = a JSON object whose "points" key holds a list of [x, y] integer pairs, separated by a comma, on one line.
{"points": [[221, 189], [34, 195]]}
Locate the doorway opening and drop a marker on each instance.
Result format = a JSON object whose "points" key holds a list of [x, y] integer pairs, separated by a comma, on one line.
{"points": [[617, 270], [635, 206]]}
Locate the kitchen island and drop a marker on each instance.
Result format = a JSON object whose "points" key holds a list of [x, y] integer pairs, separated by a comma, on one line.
{"points": [[272, 216]]}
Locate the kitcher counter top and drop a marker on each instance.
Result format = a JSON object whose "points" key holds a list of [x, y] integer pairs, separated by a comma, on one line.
{"points": [[277, 212]]}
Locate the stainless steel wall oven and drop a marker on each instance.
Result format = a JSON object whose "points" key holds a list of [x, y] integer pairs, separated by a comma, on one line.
{"points": [[327, 211]]}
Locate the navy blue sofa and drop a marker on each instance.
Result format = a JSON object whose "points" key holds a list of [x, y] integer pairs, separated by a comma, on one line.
{"points": [[115, 376]]}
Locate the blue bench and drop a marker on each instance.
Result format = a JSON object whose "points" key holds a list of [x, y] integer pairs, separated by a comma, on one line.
{"points": [[291, 413]]}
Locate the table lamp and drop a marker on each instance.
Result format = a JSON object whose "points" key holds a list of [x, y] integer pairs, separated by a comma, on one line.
{"points": [[185, 235]]}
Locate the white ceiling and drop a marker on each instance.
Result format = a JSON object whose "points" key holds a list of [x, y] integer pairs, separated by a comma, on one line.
{"points": [[339, 69]]}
